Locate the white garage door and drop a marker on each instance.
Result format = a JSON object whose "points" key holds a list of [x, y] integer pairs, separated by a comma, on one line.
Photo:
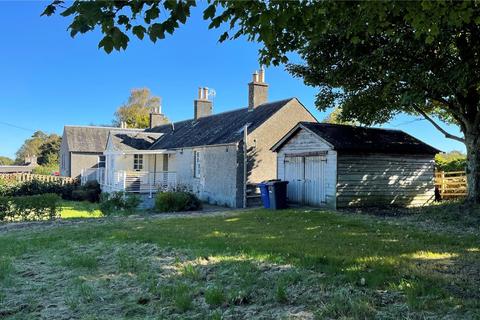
{"points": [[306, 177], [294, 174]]}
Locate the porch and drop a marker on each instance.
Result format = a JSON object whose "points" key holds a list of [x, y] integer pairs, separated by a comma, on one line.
{"points": [[140, 181], [144, 172]]}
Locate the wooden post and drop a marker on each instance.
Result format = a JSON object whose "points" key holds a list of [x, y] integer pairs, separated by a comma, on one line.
{"points": [[442, 189]]}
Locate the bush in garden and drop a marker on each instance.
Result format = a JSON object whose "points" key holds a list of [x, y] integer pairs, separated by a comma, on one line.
{"points": [[118, 203], [68, 191], [35, 187], [451, 161], [47, 169], [90, 191], [29, 208], [173, 201]]}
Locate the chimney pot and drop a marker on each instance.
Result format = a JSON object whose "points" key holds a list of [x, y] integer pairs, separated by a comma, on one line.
{"points": [[257, 90], [262, 75], [157, 118], [202, 107]]}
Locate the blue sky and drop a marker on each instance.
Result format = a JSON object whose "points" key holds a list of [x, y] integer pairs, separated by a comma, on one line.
{"points": [[48, 79]]}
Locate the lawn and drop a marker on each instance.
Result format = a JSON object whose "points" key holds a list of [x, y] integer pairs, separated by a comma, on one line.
{"points": [[256, 264], [79, 209]]}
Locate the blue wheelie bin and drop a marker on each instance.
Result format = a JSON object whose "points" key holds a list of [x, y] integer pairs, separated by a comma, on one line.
{"points": [[264, 194]]}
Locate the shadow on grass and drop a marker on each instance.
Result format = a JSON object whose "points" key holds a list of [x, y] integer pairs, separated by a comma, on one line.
{"points": [[430, 270]]}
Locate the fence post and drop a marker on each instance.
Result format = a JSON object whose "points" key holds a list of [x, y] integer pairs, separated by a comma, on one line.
{"points": [[442, 190]]}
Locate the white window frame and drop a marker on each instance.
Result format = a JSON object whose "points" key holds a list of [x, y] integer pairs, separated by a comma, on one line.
{"points": [[138, 162], [196, 164], [100, 161]]}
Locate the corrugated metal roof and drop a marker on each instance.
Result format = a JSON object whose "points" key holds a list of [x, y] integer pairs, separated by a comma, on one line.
{"points": [[221, 128]]}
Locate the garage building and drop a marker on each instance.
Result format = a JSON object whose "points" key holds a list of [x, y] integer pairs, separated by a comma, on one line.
{"points": [[347, 166]]}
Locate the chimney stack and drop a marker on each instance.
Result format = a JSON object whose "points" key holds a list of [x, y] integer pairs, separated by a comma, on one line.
{"points": [[202, 107], [157, 118], [257, 90]]}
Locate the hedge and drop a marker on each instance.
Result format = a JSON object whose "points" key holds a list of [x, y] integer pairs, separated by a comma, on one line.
{"points": [[88, 192], [29, 208]]}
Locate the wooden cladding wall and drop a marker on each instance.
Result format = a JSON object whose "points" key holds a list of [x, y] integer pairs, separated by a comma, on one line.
{"points": [[375, 180]]}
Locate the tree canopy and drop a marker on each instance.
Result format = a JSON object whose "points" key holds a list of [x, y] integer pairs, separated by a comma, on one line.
{"points": [[335, 117], [375, 59], [49, 151], [31, 146], [136, 111], [6, 161], [46, 147]]}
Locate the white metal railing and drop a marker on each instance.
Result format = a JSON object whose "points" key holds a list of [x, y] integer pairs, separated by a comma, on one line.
{"points": [[92, 174], [142, 181]]}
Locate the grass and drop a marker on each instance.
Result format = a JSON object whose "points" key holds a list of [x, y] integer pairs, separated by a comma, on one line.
{"points": [[247, 264], [214, 296], [6, 268], [81, 260], [79, 209]]}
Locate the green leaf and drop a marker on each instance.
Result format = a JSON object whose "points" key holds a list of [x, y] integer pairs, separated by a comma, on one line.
{"points": [[139, 31], [49, 10], [152, 13], [156, 31], [223, 37], [120, 39], [106, 43], [209, 12], [123, 19]]}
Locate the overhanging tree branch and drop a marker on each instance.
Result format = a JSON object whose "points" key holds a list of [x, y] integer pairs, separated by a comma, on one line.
{"points": [[437, 126]]}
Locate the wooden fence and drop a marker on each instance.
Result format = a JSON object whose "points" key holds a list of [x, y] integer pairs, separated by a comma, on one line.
{"points": [[451, 185], [24, 177]]}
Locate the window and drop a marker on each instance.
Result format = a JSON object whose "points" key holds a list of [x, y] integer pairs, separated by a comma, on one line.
{"points": [[138, 162], [196, 164], [101, 162], [63, 161]]}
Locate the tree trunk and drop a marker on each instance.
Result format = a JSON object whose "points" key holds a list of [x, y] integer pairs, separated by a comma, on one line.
{"points": [[472, 142]]}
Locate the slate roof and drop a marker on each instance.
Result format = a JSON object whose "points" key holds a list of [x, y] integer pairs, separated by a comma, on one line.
{"points": [[132, 141], [16, 169], [352, 139], [221, 128], [88, 138]]}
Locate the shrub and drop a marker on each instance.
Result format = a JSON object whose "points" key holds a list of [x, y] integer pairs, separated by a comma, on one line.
{"points": [[118, 202], [46, 169], [29, 208], [90, 191], [452, 161], [36, 187], [70, 191], [173, 201]]}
